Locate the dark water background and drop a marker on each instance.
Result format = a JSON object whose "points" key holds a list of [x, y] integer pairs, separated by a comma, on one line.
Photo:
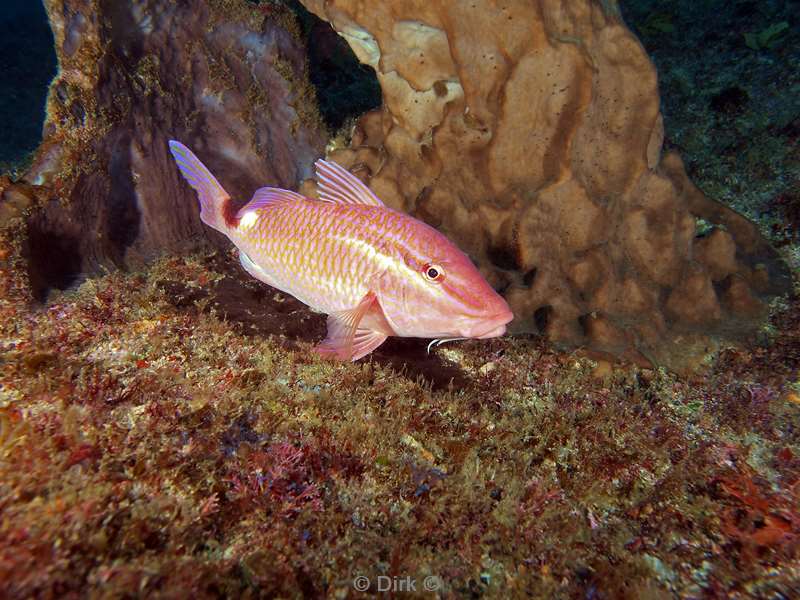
{"points": [[27, 65], [729, 78]]}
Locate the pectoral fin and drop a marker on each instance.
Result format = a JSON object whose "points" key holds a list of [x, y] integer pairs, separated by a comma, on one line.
{"points": [[345, 339]]}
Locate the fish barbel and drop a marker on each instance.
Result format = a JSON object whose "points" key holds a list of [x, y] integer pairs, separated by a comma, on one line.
{"points": [[375, 271]]}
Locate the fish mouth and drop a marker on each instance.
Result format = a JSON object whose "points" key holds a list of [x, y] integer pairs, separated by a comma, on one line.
{"points": [[496, 332], [492, 327]]}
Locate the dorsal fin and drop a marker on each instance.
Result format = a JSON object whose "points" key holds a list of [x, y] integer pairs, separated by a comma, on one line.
{"points": [[268, 196], [337, 184]]}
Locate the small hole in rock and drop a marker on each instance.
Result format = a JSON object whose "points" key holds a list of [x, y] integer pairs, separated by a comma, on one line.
{"points": [[542, 316], [503, 257], [583, 321], [53, 261], [529, 277]]}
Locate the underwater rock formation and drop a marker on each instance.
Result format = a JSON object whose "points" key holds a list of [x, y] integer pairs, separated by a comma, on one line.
{"points": [[230, 82], [530, 133]]}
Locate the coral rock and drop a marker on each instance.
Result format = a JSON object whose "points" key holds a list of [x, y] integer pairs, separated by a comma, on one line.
{"points": [[603, 335], [229, 83], [694, 301], [717, 252], [739, 298], [15, 199], [530, 133]]}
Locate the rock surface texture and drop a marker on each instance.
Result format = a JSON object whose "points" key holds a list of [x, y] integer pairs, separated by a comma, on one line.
{"points": [[226, 78], [530, 133]]}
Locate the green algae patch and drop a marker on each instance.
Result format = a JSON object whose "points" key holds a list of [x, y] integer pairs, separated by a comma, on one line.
{"points": [[156, 439]]}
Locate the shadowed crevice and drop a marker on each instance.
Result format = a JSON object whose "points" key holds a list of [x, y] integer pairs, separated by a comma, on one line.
{"points": [[345, 88], [53, 260]]}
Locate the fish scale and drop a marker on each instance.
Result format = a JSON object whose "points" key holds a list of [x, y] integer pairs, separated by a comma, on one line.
{"points": [[326, 271], [375, 271]]}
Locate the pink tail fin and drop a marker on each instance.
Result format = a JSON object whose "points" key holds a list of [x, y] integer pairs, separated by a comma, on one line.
{"points": [[210, 193]]}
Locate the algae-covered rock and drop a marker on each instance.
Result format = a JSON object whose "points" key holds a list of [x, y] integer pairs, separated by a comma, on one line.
{"points": [[150, 447], [227, 78], [530, 132]]}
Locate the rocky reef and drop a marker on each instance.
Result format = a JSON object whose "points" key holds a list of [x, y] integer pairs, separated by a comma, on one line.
{"points": [[537, 148], [149, 447], [227, 78], [166, 430], [531, 134]]}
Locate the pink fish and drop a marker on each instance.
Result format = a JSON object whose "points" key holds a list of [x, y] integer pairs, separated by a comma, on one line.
{"points": [[376, 272]]}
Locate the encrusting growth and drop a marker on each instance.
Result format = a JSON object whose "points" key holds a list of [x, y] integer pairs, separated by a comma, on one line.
{"points": [[530, 133]]}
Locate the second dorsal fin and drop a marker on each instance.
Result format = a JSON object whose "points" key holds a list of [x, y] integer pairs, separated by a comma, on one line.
{"points": [[337, 184]]}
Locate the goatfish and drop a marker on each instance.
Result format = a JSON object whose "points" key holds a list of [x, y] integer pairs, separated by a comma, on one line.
{"points": [[374, 271]]}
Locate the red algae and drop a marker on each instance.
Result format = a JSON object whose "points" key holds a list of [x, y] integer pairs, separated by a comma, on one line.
{"points": [[157, 439]]}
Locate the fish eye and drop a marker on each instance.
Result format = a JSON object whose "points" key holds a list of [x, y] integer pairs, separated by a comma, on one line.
{"points": [[433, 272]]}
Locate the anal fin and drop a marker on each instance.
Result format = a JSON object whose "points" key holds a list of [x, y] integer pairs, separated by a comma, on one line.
{"points": [[254, 270]]}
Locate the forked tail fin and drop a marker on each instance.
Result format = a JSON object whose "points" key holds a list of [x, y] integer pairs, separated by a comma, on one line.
{"points": [[213, 199]]}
